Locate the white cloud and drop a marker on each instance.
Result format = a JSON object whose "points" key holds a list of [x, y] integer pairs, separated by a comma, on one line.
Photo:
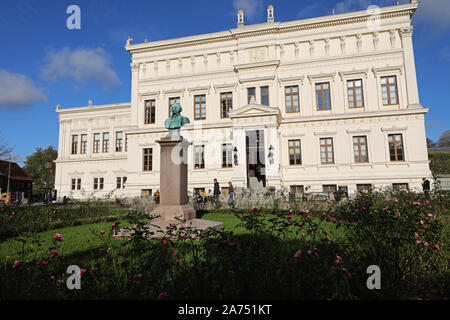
{"points": [[435, 14], [18, 91], [82, 65], [251, 8]]}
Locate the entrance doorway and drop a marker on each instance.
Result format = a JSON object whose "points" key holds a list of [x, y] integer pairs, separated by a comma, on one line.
{"points": [[256, 168]]}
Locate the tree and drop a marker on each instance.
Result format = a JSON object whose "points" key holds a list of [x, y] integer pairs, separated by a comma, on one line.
{"points": [[41, 167], [430, 143], [444, 140], [5, 150]]}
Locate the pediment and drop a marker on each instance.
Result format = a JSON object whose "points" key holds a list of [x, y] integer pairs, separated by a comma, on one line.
{"points": [[254, 110]]}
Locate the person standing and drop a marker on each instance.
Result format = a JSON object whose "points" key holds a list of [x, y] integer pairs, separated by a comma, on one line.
{"points": [[426, 186], [216, 189], [231, 195]]}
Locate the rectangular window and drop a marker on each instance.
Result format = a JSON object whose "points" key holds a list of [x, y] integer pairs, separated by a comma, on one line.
{"points": [[297, 189], [200, 107], [148, 159], [79, 184], [323, 97], [74, 144], [226, 104], [227, 155], [329, 188], [171, 102], [96, 146], [105, 148], [149, 116], [389, 90], [126, 142], [326, 150], [74, 184], [396, 147], [294, 152], [400, 186], [101, 183], [119, 141], [119, 183], [95, 183], [265, 95], [364, 187], [291, 99], [199, 156], [360, 149], [355, 93], [124, 180], [251, 92], [83, 148]]}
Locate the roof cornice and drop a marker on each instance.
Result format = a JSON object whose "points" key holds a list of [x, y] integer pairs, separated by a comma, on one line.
{"points": [[106, 107], [273, 28]]}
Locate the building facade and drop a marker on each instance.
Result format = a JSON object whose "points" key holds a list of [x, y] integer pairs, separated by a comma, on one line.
{"points": [[322, 103]]}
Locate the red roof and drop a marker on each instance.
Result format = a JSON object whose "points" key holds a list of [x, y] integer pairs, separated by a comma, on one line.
{"points": [[16, 172]]}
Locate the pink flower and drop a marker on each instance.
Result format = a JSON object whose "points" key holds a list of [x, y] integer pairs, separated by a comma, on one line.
{"points": [[38, 263], [137, 277], [416, 234], [363, 208], [335, 220], [425, 244], [231, 273], [114, 225], [429, 215], [163, 296], [254, 210], [45, 262], [421, 221], [164, 242], [339, 257], [304, 212], [436, 247], [417, 241], [338, 261], [289, 217], [298, 254], [316, 254], [325, 232], [174, 253], [102, 231], [53, 253], [309, 252], [82, 271], [300, 224], [303, 235], [17, 264], [326, 239], [58, 237]]}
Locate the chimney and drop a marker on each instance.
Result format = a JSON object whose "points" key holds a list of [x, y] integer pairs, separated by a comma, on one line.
{"points": [[240, 16], [270, 18]]}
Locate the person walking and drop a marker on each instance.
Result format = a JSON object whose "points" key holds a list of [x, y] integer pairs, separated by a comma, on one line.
{"points": [[426, 186], [216, 189], [231, 201], [156, 196]]}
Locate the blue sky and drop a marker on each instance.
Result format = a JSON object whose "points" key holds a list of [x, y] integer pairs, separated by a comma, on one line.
{"points": [[43, 63]]}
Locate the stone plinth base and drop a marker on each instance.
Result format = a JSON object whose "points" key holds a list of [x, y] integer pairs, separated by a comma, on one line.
{"points": [[170, 212], [159, 227]]}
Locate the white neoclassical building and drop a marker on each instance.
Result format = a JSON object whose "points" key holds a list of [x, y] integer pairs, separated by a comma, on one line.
{"points": [[323, 103]]}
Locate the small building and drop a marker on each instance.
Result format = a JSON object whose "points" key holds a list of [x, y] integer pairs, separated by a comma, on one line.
{"points": [[20, 184]]}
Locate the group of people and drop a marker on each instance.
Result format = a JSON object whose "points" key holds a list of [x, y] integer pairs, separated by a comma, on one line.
{"points": [[215, 194]]}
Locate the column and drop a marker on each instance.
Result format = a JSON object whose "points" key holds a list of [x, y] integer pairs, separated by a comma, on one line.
{"points": [[239, 177], [410, 68]]}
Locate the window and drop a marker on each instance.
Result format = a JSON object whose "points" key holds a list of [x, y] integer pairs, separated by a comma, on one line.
{"points": [[148, 159], [101, 183], [326, 150], [291, 97], [119, 141], [171, 102], [149, 116], [120, 182], [389, 90], [105, 148], [74, 144], [83, 148], [396, 147], [126, 142], [95, 183], [329, 188], [364, 187], [98, 183], [323, 98], [251, 92], [200, 107], [297, 189], [265, 96], [227, 155], [294, 152], [400, 186], [74, 184], [199, 157], [226, 104], [96, 147], [355, 93], [360, 149], [79, 184]]}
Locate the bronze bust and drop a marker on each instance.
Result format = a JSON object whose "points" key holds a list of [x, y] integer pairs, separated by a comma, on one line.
{"points": [[176, 121]]}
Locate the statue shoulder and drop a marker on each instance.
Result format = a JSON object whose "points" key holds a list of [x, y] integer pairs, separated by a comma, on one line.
{"points": [[167, 122], [184, 120]]}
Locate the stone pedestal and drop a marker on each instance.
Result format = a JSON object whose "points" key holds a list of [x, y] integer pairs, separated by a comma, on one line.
{"points": [[174, 202]]}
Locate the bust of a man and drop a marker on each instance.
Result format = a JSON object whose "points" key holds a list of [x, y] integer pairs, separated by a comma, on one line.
{"points": [[176, 121]]}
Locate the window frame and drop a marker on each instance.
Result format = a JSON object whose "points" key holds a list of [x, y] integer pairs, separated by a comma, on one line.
{"points": [[294, 148], [105, 142], [291, 95], [227, 105], [227, 155], [150, 111], [326, 145], [96, 142], [322, 91], [119, 142], [147, 159], [264, 95], [354, 87], [387, 85], [396, 154], [200, 157], [75, 144], [199, 104], [83, 144], [251, 95], [359, 144]]}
